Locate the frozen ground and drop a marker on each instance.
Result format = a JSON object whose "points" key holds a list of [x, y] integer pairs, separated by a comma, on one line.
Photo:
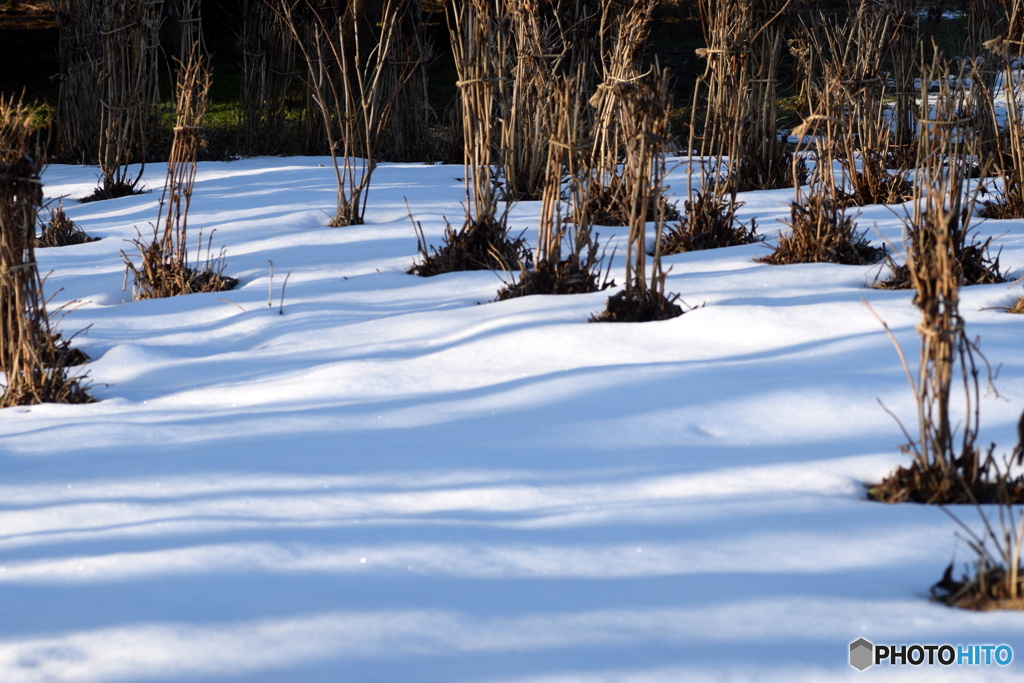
{"points": [[396, 480]]}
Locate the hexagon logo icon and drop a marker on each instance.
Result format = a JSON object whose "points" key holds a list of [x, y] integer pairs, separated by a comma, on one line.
{"points": [[862, 654]]}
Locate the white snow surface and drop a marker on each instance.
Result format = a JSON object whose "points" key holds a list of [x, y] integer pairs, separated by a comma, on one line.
{"points": [[399, 480]]}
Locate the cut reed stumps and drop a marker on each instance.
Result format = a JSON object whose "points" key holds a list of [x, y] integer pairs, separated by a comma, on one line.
{"points": [[165, 270], [32, 357]]}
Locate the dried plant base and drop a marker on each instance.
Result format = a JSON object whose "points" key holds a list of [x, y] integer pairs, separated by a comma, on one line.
{"points": [[61, 231], [51, 386], [893, 190], [161, 283], [978, 269], [981, 592], [1017, 307], [113, 191], [563, 277], [604, 206], [1001, 211], [935, 487], [709, 222], [482, 245], [652, 306]]}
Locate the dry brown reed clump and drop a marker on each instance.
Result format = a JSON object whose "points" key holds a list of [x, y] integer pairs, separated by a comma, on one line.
{"points": [[479, 42], [643, 106], [347, 87], [33, 358], [129, 84], [821, 232], [165, 269], [709, 222], [555, 271], [60, 231], [947, 465], [996, 579]]}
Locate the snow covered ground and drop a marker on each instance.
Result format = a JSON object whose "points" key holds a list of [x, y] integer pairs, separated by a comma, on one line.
{"points": [[397, 480]]}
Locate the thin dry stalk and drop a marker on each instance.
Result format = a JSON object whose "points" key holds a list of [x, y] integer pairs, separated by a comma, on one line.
{"points": [[165, 269], [32, 357]]}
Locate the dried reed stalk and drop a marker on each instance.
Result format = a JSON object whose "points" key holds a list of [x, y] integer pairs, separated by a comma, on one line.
{"points": [[32, 357], [165, 269], [408, 135], [1006, 51], [739, 95], [479, 34]]}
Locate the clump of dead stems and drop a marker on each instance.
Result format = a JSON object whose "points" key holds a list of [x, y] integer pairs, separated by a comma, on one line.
{"points": [[479, 42], [708, 222], [554, 271], [33, 358], [822, 232], [996, 579], [947, 466], [165, 270], [347, 88], [79, 103], [643, 106], [857, 139], [60, 231], [129, 84]]}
